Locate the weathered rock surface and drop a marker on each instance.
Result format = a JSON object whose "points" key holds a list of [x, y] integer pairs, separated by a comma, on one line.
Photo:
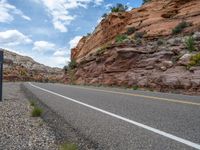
{"points": [[154, 19], [23, 68], [164, 68], [151, 57]]}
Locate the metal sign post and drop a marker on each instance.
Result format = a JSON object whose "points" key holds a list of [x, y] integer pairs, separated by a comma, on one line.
{"points": [[1, 74]]}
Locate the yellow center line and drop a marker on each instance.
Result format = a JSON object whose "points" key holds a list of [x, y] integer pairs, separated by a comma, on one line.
{"points": [[143, 96]]}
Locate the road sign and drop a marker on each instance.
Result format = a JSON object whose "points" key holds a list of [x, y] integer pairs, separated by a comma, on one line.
{"points": [[1, 73]]}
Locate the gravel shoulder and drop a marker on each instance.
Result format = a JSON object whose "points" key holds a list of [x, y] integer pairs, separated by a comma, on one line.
{"points": [[18, 130]]}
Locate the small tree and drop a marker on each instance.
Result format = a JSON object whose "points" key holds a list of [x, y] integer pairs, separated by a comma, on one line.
{"points": [[104, 15], [119, 8], [72, 64]]}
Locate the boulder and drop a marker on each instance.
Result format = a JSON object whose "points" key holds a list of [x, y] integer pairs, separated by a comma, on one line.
{"points": [[185, 59]]}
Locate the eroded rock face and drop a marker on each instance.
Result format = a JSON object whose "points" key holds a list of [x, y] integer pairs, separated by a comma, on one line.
{"points": [[155, 19], [23, 68], [162, 67]]}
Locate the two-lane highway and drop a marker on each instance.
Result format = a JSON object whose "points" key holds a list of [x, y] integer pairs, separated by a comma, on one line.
{"points": [[124, 119]]}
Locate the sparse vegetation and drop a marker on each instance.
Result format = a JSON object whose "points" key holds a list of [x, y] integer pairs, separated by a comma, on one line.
{"points": [[119, 8], [23, 72], [130, 30], [190, 44], [104, 15], [160, 42], [121, 38], [135, 87], [72, 64], [145, 1], [88, 34], [32, 103], [180, 27], [36, 112], [195, 60], [138, 41], [67, 146], [139, 35], [101, 50]]}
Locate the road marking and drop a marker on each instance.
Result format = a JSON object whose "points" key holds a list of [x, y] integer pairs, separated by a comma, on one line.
{"points": [[165, 134], [143, 96]]}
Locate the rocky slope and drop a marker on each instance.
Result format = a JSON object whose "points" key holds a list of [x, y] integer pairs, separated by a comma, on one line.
{"points": [[23, 68], [160, 49], [154, 19]]}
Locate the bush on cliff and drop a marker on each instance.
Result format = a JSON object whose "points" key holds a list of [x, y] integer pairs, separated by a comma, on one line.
{"points": [[72, 64], [119, 8], [121, 38], [195, 60], [130, 30], [190, 44], [180, 27], [104, 15]]}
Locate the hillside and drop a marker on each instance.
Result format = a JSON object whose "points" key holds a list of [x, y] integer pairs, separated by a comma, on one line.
{"points": [[155, 46], [23, 68]]}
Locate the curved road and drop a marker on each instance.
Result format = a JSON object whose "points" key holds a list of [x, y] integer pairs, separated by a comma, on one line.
{"points": [[121, 119]]}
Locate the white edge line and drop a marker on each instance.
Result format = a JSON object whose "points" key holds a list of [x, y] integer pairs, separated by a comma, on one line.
{"points": [[170, 136]]}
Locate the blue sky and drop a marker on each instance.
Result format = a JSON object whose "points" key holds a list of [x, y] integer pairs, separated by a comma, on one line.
{"points": [[47, 29]]}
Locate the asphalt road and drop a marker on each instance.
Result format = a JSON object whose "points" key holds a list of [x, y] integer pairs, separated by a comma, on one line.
{"points": [[120, 119]]}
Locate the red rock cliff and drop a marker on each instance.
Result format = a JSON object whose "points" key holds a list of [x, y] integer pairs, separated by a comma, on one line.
{"points": [[156, 18]]}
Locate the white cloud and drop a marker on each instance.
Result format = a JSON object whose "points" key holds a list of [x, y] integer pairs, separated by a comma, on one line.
{"points": [[44, 46], [7, 12], [59, 11], [60, 53], [108, 6], [74, 41], [53, 61], [13, 37]]}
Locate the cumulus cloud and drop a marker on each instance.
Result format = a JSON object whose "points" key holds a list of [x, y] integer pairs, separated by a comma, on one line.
{"points": [[13, 37], [74, 41], [59, 53], [53, 61], [44, 46], [59, 11], [7, 12]]}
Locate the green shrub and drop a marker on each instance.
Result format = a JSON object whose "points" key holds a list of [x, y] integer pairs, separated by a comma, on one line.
{"points": [[36, 112], [72, 64], [180, 27], [68, 147], [160, 42], [135, 87], [104, 15], [130, 30], [139, 35], [32, 103], [190, 44], [195, 60], [138, 42], [121, 38], [119, 8]]}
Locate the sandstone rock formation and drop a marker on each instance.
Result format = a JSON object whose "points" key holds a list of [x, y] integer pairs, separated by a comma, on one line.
{"points": [[23, 68], [156, 60], [155, 19]]}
